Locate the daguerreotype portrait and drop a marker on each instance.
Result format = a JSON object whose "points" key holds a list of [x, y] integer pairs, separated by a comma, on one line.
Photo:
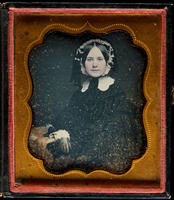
{"points": [[87, 102]]}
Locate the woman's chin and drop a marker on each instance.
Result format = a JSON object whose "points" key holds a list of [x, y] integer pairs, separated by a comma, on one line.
{"points": [[95, 75]]}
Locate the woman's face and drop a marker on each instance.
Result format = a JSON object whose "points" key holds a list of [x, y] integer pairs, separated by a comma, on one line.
{"points": [[95, 63]]}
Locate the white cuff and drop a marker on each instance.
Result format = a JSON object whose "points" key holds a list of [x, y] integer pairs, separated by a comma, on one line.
{"points": [[60, 134]]}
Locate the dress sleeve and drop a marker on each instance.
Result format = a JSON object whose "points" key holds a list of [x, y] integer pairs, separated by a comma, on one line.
{"points": [[128, 131], [66, 119]]}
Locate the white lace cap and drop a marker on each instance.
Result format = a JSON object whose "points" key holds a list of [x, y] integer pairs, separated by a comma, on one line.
{"points": [[108, 46]]}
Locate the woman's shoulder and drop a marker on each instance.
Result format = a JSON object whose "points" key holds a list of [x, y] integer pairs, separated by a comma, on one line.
{"points": [[114, 90], [77, 96], [125, 103]]}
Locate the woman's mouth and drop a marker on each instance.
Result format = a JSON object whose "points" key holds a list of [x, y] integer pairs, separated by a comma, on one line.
{"points": [[95, 70]]}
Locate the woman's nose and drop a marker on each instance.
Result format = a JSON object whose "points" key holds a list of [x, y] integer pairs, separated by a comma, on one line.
{"points": [[94, 64]]}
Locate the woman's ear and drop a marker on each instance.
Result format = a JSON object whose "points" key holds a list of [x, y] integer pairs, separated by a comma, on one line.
{"points": [[83, 70]]}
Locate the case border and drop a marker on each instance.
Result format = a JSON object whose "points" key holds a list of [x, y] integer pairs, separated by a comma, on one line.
{"points": [[11, 99]]}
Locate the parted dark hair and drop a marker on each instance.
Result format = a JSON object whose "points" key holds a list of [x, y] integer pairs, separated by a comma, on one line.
{"points": [[87, 49]]}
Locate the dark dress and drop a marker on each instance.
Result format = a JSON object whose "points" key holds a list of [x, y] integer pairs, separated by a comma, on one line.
{"points": [[105, 132]]}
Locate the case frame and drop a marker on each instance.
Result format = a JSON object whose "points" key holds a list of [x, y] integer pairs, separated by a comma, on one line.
{"points": [[164, 193]]}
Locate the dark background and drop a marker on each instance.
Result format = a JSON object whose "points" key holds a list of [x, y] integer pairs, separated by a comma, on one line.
{"points": [[50, 66]]}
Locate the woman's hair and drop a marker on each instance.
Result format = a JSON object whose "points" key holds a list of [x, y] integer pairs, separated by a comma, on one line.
{"points": [[83, 51], [87, 49]]}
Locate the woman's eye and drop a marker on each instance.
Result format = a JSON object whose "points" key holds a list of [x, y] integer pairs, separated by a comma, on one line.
{"points": [[100, 58], [89, 59]]}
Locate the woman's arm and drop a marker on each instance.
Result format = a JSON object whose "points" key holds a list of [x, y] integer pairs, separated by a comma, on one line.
{"points": [[63, 125]]}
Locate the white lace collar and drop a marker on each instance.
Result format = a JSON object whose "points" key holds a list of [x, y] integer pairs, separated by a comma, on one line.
{"points": [[103, 83]]}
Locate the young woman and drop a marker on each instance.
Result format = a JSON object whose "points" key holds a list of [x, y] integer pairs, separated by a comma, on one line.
{"points": [[99, 129]]}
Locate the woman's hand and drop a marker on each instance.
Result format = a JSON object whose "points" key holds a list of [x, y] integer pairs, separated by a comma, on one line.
{"points": [[65, 145], [64, 138]]}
